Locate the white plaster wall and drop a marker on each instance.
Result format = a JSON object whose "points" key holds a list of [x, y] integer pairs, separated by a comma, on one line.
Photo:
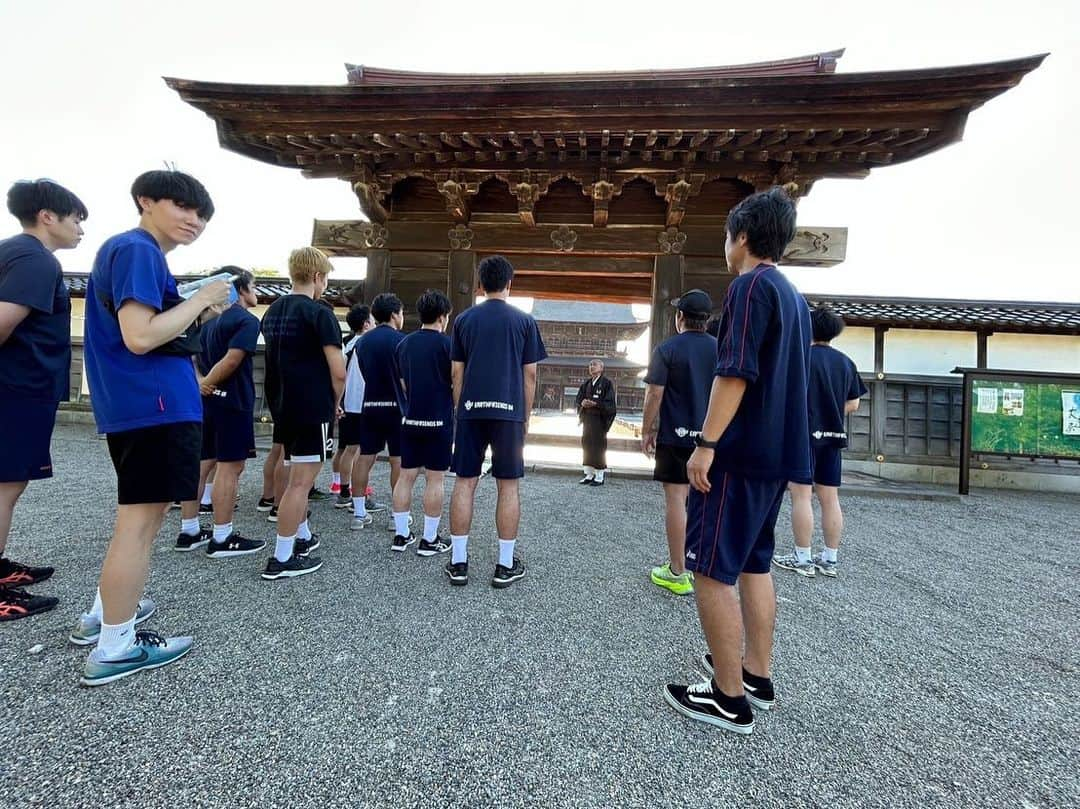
{"points": [[858, 343], [936, 353], [1034, 352]]}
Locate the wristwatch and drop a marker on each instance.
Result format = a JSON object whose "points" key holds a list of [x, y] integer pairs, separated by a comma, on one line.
{"points": [[700, 441]]}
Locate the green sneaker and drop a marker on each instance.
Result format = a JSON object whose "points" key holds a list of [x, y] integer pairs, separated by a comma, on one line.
{"points": [[317, 495], [88, 628], [680, 585], [151, 651]]}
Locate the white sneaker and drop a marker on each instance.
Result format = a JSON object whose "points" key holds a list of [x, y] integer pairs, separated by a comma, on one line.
{"points": [[790, 561], [359, 523]]}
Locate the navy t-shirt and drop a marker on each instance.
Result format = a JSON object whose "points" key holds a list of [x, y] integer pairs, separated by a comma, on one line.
{"points": [[765, 339], [375, 357], [35, 360], [684, 366], [298, 386], [494, 340], [834, 380], [423, 363], [236, 327], [131, 391]]}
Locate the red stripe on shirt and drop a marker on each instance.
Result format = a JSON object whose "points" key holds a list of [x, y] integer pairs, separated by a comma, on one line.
{"points": [[746, 316]]}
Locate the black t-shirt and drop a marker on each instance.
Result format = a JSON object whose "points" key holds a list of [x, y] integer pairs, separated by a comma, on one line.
{"points": [[423, 362], [684, 366], [834, 380], [234, 328], [35, 360], [298, 385], [375, 357], [494, 340]]}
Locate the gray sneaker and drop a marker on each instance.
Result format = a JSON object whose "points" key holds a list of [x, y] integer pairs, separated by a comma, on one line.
{"points": [[371, 504], [151, 651], [88, 628], [359, 523], [827, 568], [392, 526], [790, 561], [343, 501]]}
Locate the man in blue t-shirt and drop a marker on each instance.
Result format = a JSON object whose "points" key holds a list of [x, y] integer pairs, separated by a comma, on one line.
{"points": [[676, 396], [754, 440], [422, 360], [834, 392], [140, 338], [379, 424], [494, 351], [35, 362]]}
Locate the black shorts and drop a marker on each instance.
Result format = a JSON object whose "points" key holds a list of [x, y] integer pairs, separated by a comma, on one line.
{"points": [[349, 430], [825, 465], [427, 447], [303, 443], [507, 442], [380, 427], [157, 464], [228, 434], [26, 429], [671, 463]]}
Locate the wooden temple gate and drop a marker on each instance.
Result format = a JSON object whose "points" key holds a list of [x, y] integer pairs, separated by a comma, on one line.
{"points": [[598, 186]]}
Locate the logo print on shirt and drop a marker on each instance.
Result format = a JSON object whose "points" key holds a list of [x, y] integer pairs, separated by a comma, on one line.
{"points": [[682, 432], [468, 405]]}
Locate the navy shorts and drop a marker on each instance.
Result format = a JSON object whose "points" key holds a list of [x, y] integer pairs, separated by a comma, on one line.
{"points": [[671, 463], [349, 430], [380, 428], [26, 429], [427, 447], [730, 530], [303, 443], [825, 465], [507, 442], [228, 434], [156, 464]]}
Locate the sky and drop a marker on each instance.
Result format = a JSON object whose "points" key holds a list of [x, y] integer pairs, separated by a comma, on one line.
{"points": [[990, 217]]}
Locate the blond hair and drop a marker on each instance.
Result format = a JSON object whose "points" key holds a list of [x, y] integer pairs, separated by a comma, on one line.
{"points": [[305, 262]]}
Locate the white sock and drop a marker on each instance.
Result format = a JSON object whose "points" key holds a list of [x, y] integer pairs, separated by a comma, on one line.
{"points": [[401, 523], [431, 527], [590, 472], [303, 531], [829, 554], [207, 494], [283, 550], [460, 549], [222, 532], [116, 639], [359, 507], [337, 478], [600, 475], [506, 552], [97, 610], [802, 554], [190, 527]]}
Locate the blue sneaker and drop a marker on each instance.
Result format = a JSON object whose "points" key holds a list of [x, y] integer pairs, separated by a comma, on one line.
{"points": [[88, 628], [151, 651]]}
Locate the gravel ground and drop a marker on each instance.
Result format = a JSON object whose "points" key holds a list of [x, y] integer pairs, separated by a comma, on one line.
{"points": [[940, 669]]}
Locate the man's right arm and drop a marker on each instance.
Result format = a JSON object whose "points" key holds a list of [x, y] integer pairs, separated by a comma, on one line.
{"points": [[143, 328], [650, 422], [457, 377]]}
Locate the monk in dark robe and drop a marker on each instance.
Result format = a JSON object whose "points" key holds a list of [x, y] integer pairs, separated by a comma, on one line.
{"points": [[596, 411]]}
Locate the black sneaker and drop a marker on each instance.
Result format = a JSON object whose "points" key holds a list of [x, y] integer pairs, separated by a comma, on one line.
{"points": [[16, 603], [264, 504], [595, 482], [272, 516], [234, 545], [187, 542], [296, 566], [304, 547], [206, 508], [432, 548], [505, 576], [585, 481], [707, 703], [458, 574], [759, 690], [317, 495], [13, 574], [400, 543]]}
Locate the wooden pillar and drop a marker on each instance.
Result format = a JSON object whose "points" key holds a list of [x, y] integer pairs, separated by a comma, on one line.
{"points": [[878, 396], [378, 274], [667, 285], [461, 283], [980, 348]]}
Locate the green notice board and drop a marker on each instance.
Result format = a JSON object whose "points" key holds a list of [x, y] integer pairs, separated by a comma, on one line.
{"points": [[1025, 418]]}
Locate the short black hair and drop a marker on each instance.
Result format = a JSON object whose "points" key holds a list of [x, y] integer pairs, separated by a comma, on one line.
{"points": [[357, 317], [27, 198], [694, 322], [495, 273], [768, 220], [826, 324], [432, 305], [183, 189], [244, 278], [385, 305]]}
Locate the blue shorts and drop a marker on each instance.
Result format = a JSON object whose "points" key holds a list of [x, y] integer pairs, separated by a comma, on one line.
{"points": [[26, 429], [380, 427], [228, 435], [427, 447], [825, 465], [730, 530], [507, 442]]}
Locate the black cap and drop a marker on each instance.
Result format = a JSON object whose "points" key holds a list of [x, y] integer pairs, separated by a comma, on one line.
{"points": [[694, 302]]}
